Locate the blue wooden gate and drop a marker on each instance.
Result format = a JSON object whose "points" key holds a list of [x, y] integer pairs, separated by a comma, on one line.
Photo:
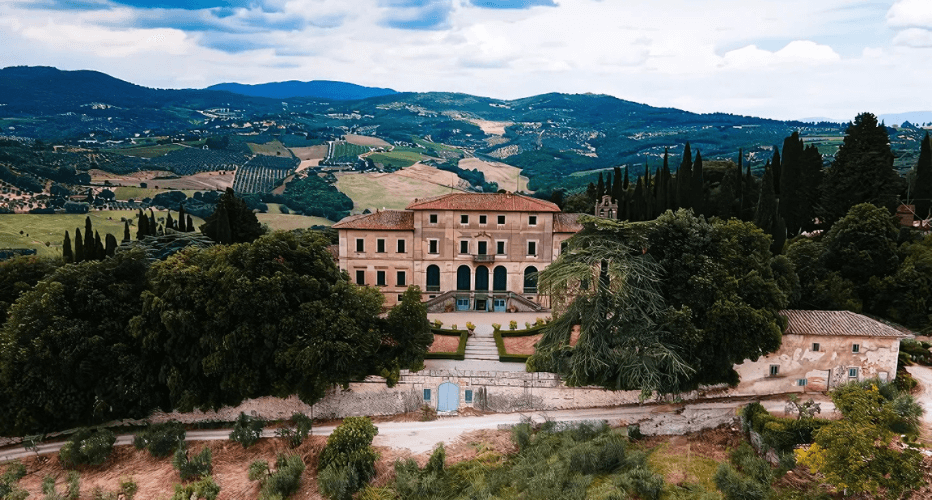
{"points": [[449, 397]]}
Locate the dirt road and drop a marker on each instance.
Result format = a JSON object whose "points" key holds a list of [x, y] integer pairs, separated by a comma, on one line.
{"points": [[923, 374]]}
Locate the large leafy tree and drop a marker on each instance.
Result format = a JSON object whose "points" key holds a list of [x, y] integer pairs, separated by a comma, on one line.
{"points": [[603, 285], [232, 221], [274, 317], [18, 275], [65, 357], [862, 171], [408, 331]]}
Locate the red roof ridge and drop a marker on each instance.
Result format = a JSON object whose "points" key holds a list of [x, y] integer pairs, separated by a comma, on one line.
{"points": [[837, 323], [505, 202], [388, 219]]}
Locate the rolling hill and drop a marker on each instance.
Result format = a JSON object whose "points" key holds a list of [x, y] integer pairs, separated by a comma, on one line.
{"points": [[318, 89]]}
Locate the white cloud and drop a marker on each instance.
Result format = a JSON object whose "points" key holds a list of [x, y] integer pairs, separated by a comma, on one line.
{"points": [[910, 14], [796, 52], [914, 37]]}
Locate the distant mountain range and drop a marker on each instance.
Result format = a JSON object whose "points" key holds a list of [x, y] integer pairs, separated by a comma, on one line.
{"points": [[914, 117], [316, 89]]}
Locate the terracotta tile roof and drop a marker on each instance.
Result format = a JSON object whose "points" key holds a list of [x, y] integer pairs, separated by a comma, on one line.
{"points": [[566, 223], [497, 202], [389, 220], [837, 323]]}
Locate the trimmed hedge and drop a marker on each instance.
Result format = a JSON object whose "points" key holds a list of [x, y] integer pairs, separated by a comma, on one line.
{"points": [[503, 355], [460, 353]]}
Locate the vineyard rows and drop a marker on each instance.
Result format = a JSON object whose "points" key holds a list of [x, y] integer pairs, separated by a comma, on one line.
{"points": [[262, 174]]}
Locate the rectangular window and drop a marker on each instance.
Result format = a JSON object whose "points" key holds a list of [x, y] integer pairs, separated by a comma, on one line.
{"points": [[432, 246], [400, 275], [532, 248], [500, 247], [464, 246], [400, 297], [855, 348], [852, 373], [482, 219], [483, 247], [532, 220], [774, 370], [360, 245], [426, 394], [501, 219], [464, 219], [380, 278], [815, 347], [433, 218], [380, 245], [360, 277], [401, 246], [467, 395], [802, 382]]}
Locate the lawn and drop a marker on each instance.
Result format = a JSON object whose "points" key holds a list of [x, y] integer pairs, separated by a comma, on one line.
{"points": [[397, 159], [436, 146], [41, 228], [273, 148], [286, 222], [137, 193], [146, 151], [346, 152]]}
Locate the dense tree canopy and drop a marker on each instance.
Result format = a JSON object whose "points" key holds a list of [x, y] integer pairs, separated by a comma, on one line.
{"points": [[232, 221]]}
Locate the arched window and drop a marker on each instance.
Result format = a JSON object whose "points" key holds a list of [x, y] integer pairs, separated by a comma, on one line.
{"points": [[433, 278], [463, 275], [530, 280], [482, 278], [500, 279]]}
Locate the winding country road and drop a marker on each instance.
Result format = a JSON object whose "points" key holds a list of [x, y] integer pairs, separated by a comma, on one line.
{"points": [[923, 374]]}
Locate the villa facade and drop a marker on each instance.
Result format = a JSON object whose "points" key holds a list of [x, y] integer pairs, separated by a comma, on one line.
{"points": [[467, 251]]}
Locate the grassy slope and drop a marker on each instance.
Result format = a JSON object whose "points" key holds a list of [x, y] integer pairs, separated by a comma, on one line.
{"points": [[273, 148], [136, 193], [385, 190], [146, 151], [286, 222], [50, 228]]}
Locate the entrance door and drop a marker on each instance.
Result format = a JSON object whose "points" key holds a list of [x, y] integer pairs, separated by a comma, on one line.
{"points": [[462, 303], [449, 397], [498, 305]]}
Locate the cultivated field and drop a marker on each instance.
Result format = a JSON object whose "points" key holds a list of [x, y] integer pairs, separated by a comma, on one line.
{"points": [[138, 193], [286, 222], [397, 159], [273, 148], [492, 128], [395, 190], [311, 153], [203, 181], [145, 151], [366, 140], [506, 176], [41, 228]]}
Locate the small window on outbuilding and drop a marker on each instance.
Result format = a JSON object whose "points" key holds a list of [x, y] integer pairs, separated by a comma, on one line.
{"points": [[426, 394], [774, 370], [852, 373], [815, 347], [855, 348], [468, 395], [802, 382]]}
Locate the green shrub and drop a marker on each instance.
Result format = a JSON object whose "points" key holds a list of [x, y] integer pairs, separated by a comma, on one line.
{"points": [[496, 326], [72, 487], [87, 447], [735, 486], [192, 468], [512, 325], [438, 323], [247, 430], [350, 458], [539, 322], [297, 434], [204, 489], [9, 488], [280, 484], [160, 439]]}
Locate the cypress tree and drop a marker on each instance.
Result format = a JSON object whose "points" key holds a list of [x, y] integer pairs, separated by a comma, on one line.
{"points": [[617, 186], [142, 227], [153, 226], [600, 189], [792, 204], [126, 236], [66, 253], [99, 252], [169, 222], [698, 186], [89, 247], [767, 216], [922, 193], [741, 187], [777, 169], [637, 202], [78, 246], [224, 233], [663, 201], [190, 224], [684, 177], [111, 245], [608, 184], [182, 226], [626, 179], [726, 192], [648, 196]]}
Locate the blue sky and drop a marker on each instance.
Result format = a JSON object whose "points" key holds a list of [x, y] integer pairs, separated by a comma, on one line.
{"points": [[773, 58]]}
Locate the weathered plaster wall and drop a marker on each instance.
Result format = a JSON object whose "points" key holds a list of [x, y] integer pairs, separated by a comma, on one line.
{"points": [[822, 369]]}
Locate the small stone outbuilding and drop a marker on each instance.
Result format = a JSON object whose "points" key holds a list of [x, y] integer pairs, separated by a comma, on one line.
{"points": [[822, 350]]}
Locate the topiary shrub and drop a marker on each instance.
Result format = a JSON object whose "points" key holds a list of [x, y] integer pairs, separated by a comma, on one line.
{"points": [[87, 447], [348, 461], [160, 439], [280, 484], [512, 325], [247, 430], [192, 468]]}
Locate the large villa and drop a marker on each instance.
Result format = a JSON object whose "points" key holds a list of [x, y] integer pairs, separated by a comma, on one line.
{"points": [[467, 251]]}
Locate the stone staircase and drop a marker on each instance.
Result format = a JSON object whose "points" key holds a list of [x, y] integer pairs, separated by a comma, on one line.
{"points": [[481, 345]]}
